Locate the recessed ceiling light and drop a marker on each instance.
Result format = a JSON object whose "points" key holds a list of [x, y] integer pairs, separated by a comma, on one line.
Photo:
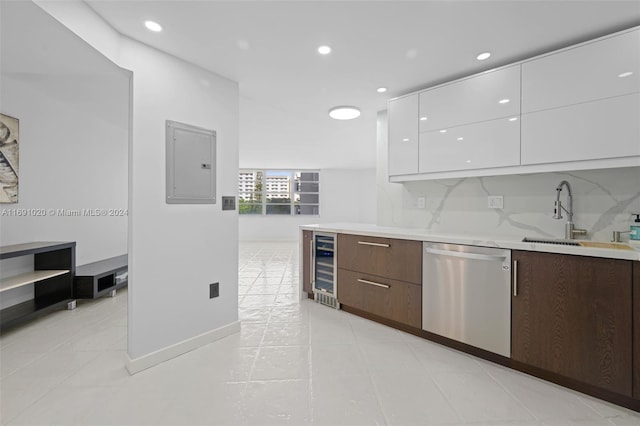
{"points": [[344, 112], [324, 50], [503, 101], [513, 119], [625, 74], [153, 26], [423, 118], [405, 140], [381, 89], [443, 131], [461, 138], [483, 56], [468, 161]]}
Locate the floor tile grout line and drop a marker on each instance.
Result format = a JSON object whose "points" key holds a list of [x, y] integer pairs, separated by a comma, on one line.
{"points": [[435, 383], [508, 391], [369, 374]]}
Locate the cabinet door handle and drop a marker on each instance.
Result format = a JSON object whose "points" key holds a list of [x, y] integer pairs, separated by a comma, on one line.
{"points": [[515, 278], [367, 243], [311, 263], [373, 283]]}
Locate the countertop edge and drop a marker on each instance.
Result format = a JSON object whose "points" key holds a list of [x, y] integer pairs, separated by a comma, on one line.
{"points": [[513, 244]]}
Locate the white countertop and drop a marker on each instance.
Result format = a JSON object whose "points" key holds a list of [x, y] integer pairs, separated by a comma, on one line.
{"points": [[474, 240]]}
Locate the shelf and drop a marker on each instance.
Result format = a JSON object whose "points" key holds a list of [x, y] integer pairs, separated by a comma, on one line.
{"points": [[28, 278], [327, 249], [99, 278], [327, 265], [17, 250], [16, 314]]}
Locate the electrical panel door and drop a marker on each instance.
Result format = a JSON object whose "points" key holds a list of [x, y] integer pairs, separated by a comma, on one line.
{"points": [[191, 164]]}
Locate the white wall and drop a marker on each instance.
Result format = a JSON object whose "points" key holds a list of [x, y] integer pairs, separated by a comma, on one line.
{"points": [[70, 159], [175, 251], [74, 133], [603, 201], [178, 250], [345, 196]]}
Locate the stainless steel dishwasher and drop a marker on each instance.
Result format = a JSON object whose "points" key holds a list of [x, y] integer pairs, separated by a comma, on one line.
{"points": [[466, 295]]}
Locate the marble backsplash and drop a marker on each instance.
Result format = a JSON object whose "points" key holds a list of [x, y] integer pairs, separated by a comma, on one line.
{"points": [[603, 202]]}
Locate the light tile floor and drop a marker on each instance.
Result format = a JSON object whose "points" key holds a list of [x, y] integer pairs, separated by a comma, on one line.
{"points": [[293, 363]]}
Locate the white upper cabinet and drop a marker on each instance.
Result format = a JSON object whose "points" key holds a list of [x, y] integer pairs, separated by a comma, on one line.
{"points": [[488, 144], [486, 96], [403, 135], [598, 130], [574, 109], [597, 70], [583, 103]]}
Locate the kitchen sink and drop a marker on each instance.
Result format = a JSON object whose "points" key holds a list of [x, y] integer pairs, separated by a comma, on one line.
{"points": [[591, 244]]}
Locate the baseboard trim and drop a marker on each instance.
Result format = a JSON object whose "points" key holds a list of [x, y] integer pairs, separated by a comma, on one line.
{"points": [[158, 357]]}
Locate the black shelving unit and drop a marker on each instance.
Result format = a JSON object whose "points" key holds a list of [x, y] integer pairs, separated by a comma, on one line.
{"points": [[52, 279], [103, 277]]}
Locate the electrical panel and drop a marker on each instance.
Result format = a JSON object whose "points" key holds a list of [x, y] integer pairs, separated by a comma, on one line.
{"points": [[191, 164]]}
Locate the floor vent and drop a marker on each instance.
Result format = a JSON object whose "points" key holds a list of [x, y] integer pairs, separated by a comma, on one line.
{"points": [[327, 300]]}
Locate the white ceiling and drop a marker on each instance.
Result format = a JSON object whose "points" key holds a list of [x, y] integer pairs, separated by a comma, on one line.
{"points": [[286, 87]]}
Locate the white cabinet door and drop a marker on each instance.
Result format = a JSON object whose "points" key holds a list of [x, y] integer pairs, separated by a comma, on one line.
{"points": [[609, 128], [494, 143], [598, 70], [483, 97], [403, 135]]}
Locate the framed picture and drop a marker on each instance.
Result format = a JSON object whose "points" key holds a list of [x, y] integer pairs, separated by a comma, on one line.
{"points": [[9, 146]]}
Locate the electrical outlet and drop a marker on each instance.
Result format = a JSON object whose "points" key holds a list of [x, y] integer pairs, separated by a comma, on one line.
{"points": [[214, 290], [495, 201], [421, 202]]}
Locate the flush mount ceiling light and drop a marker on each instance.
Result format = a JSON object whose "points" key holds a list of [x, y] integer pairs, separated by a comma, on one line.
{"points": [[344, 112], [324, 50], [381, 89], [484, 55], [625, 74], [153, 26]]}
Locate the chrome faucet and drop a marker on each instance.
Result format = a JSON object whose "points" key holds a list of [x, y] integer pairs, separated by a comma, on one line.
{"points": [[569, 230]]}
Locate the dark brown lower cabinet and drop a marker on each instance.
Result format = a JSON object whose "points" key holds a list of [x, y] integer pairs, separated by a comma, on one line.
{"points": [[572, 316], [636, 330], [397, 301], [307, 238]]}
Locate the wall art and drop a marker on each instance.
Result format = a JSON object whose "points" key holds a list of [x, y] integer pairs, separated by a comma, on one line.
{"points": [[9, 146]]}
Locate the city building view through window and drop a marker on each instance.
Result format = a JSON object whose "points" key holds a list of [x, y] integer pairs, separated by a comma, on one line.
{"points": [[279, 192]]}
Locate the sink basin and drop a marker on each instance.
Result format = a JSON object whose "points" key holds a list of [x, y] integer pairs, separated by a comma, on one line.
{"points": [[592, 244]]}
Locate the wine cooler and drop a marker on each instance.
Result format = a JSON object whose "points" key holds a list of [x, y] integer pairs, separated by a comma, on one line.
{"points": [[325, 269]]}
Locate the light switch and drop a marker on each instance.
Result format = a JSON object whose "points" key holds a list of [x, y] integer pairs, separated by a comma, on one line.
{"points": [[228, 203]]}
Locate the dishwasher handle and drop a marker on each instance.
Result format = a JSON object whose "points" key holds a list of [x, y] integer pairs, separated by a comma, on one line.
{"points": [[465, 255]]}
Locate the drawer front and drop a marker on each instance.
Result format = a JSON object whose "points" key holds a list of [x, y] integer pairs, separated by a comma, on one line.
{"points": [[391, 299], [385, 257]]}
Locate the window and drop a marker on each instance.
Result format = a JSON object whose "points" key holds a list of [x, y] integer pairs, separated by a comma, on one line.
{"points": [[279, 192]]}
